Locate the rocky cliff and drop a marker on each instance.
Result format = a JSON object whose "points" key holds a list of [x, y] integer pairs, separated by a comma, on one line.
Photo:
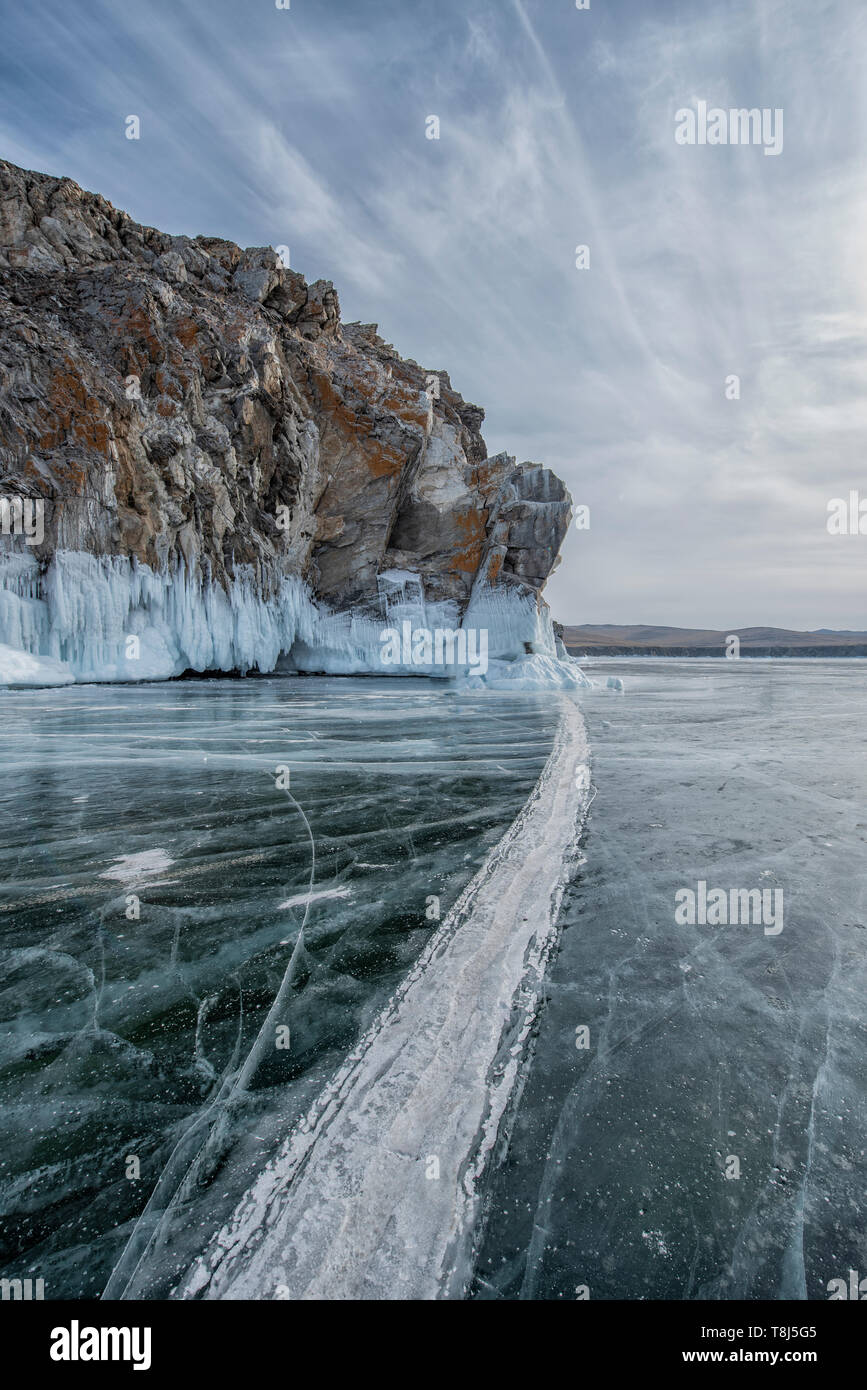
{"points": [[193, 407]]}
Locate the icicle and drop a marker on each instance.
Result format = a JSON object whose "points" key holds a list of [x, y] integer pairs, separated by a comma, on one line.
{"points": [[107, 618]]}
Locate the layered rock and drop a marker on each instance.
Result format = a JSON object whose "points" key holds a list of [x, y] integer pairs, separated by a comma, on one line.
{"points": [[191, 405]]}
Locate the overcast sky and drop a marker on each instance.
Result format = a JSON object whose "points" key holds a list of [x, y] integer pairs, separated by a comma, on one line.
{"points": [[306, 127]]}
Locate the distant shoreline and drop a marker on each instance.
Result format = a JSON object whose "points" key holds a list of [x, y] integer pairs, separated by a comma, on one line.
{"points": [[585, 653], [640, 639]]}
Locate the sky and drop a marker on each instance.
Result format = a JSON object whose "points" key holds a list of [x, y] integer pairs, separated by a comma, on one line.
{"points": [[308, 127]]}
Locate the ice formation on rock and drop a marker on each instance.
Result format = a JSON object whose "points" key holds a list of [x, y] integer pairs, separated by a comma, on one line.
{"points": [[108, 618]]}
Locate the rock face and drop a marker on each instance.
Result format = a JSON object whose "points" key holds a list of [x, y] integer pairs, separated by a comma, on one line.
{"points": [[178, 399]]}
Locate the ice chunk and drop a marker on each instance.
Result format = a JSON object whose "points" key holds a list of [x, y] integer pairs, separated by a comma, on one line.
{"points": [[22, 668], [530, 673]]}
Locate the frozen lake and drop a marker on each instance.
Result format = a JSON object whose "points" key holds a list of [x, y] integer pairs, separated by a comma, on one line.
{"points": [[712, 1050], [119, 1035], [163, 1025]]}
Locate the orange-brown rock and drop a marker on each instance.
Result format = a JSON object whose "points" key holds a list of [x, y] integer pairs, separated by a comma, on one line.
{"points": [[171, 396]]}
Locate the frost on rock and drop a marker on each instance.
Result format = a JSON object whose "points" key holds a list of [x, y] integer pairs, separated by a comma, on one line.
{"points": [[107, 618]]}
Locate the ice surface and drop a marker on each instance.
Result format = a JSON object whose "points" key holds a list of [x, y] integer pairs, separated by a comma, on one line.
{"points": [[125, 1034], [351, 1207], [703, 1042]]}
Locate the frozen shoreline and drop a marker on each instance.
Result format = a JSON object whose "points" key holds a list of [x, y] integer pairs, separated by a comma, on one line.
{"points": [[431, 1080], [105, 619]]}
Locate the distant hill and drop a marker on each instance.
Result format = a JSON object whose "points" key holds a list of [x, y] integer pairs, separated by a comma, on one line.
{"points": [[613, 639]]}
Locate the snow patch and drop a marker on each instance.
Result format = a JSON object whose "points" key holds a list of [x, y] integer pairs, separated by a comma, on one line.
{"points": [[132, 868], [302, 899]]}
